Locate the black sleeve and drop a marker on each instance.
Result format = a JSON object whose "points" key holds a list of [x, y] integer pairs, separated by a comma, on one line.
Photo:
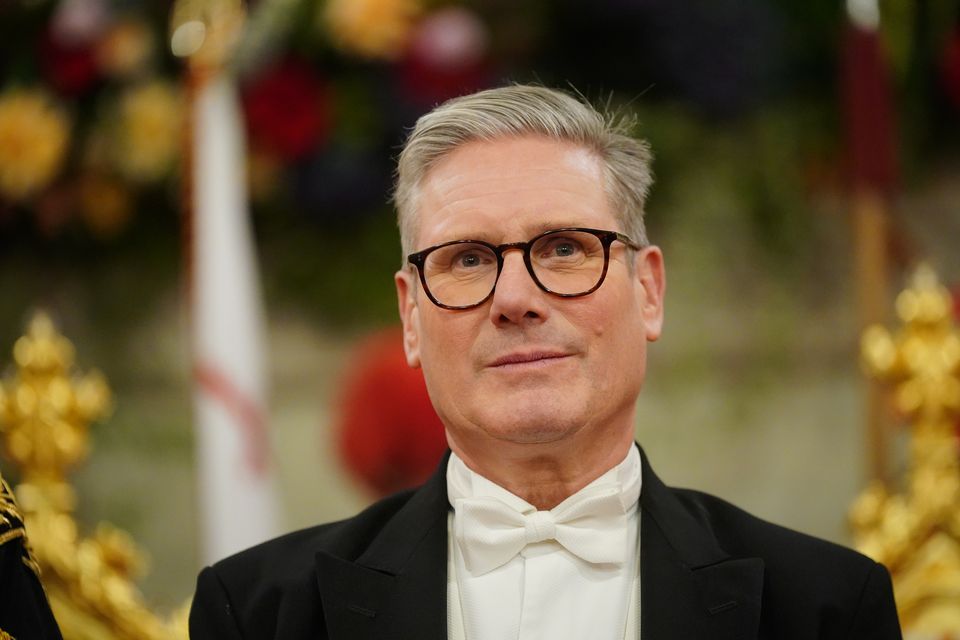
{"points": [[876, 615], [211, 614], [24, 610]]}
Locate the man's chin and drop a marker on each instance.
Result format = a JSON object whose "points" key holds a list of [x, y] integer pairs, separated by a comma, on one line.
{"points": [[532, 429], [529, 416]]}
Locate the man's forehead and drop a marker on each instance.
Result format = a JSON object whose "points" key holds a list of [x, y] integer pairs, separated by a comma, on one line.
{"points": [[510, 154], [524, 185]]}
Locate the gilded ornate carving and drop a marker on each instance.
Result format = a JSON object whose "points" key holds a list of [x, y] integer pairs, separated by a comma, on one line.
{"points": [[45, 412], [915, 532]]}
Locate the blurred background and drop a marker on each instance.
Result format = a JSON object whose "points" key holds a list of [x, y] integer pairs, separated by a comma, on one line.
{"points": [[807, 157]]}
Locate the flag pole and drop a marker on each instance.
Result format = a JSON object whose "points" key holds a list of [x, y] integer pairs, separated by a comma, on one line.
{"points": [[869, 115], [236, 486]]}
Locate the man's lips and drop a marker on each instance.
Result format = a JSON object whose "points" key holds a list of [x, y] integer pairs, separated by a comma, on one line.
{"points": [[528, 357]]}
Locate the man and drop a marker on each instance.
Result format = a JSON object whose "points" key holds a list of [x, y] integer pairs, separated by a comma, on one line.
{"points": [[24, 611], [528, 297]]}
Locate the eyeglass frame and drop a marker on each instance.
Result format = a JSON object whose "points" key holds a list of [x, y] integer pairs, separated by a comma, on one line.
{"points": [[606, 238]]}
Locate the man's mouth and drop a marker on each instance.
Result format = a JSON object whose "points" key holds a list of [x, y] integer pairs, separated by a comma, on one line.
{"points": [[528, 358]]}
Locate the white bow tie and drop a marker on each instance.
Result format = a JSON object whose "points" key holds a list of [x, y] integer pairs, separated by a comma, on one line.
{"points": [[591, 524]]}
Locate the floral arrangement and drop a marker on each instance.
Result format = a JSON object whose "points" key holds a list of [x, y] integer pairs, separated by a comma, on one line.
{"points": [[34, 134], [94, 107], [94, 112], [90, 116]]}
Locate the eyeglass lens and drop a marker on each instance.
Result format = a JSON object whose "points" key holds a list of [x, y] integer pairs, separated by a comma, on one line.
{"points": [[564, 262]]}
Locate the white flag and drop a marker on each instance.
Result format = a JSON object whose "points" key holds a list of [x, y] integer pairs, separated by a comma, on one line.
{"points": [[237, 496]]}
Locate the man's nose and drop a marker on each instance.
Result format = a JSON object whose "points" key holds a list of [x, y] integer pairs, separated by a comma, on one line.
{"points": [[517, 299]]}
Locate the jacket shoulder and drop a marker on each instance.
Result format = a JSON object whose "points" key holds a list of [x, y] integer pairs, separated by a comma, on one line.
{"points": [[818, 588], [743, 534], [271, 590]]}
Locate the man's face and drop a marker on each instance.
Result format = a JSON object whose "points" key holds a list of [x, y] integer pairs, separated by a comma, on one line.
{"points": [[527, 366]]}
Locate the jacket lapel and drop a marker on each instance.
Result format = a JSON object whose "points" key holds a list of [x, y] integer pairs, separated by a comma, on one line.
{"points": [[690, 588], [398, 587]]}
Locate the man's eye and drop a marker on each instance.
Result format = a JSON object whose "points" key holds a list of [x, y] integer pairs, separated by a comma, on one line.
{"points": [[469, 260], [561, 248]]}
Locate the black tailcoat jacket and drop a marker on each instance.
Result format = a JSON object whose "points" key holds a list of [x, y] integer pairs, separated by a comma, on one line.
{"points": [[709, 571], [24, 611]]}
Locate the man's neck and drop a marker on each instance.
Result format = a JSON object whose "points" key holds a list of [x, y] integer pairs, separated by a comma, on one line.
{"points": [[544, 475]]}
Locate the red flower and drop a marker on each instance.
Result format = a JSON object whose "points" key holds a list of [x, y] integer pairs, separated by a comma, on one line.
{"points": [[389, 435], [70, 68], [447, 57], [427, 85], [288, 110]]}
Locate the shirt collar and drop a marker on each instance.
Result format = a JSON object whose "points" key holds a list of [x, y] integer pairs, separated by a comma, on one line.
{"points": [[463, 482]]}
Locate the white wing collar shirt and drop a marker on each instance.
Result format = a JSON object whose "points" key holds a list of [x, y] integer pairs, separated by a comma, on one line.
{"points": [[518, 573]]}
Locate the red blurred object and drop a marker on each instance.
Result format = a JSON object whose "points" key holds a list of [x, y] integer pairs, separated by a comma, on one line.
{"points": [[447, 57], [868, 112], [70, 68], [428, 86], [950, 68], [288, 109], [389, 435]]}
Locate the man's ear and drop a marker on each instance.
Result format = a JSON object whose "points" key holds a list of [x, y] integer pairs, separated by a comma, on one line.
{"points": [[409, 315], [652, 282]]}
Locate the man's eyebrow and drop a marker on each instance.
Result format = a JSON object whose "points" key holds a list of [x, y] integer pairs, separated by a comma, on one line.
{"points": [[553, 224], [491, 236], [473, 235]]}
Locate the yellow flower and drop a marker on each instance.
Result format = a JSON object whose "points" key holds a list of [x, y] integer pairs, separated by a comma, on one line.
{"points": [[149, 134], [34, 134], [126, 49], [371, 28]]}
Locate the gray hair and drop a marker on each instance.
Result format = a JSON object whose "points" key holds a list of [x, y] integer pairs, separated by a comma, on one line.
{"points": [[521, 110]]}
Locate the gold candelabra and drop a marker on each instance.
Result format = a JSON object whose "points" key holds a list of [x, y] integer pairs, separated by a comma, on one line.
{"points": [[46, 408], [916, 532]]}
